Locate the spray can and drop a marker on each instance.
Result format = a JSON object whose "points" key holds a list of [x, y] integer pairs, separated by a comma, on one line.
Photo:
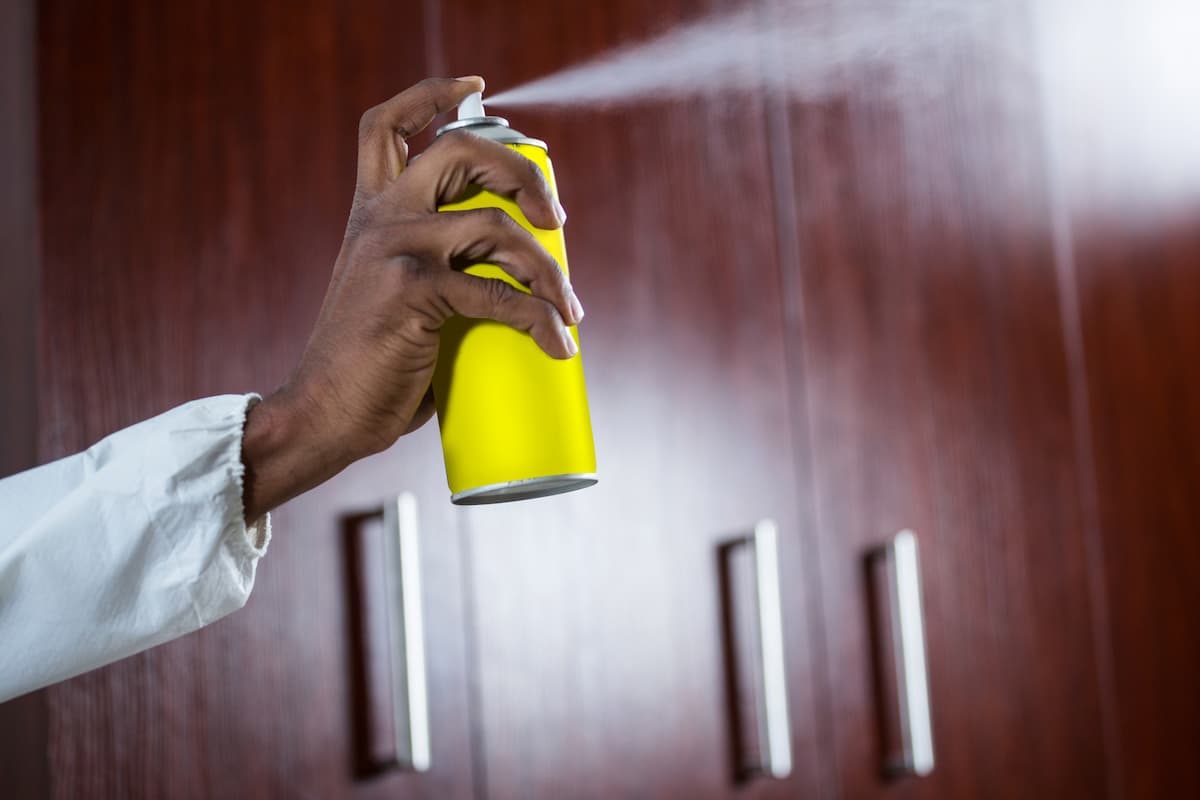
{"points": [[514, 421]]}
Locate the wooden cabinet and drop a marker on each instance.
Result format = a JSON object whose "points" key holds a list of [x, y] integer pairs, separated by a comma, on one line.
{"points": [[938, 398], [1129, 253], [868, 311], [598, 614]]}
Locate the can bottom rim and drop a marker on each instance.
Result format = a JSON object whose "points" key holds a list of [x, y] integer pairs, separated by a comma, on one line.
{"points": [[525, 489]]}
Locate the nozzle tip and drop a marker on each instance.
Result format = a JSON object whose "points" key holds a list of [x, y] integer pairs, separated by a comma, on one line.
{"points": [[471, 106]]}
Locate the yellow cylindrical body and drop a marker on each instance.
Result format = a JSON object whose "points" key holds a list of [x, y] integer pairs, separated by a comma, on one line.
{"points": [[514, 421]]}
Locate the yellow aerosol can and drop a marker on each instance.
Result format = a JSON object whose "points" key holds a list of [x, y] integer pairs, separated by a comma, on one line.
{"points": [[514, 421]]}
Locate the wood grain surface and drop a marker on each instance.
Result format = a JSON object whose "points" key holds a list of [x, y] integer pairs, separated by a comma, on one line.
{"points": [[18, 239], [24, 771], [1130, 253], [1139, 301]]}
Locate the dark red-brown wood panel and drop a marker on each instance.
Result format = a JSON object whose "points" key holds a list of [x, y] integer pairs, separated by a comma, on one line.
{"points": [[922, 292], [197, 163], [1133, 230], [18, 239], [1139, 295], [1127, 221], [598, 652], [23, 767]]}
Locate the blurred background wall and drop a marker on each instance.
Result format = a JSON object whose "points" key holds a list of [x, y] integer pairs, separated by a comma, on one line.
{"points": [[868, 312]]}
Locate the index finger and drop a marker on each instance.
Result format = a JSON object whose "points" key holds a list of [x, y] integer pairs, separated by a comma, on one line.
{"points": [[383, 129], [459, 159]]}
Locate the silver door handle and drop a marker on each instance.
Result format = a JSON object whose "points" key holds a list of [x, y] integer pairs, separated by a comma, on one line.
{"points": [[775, 735], [908, 650], [406, 632]]}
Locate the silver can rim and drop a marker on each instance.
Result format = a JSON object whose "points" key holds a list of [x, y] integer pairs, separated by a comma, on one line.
{"points": [[495, 128], [525, 489], [472, 122]]}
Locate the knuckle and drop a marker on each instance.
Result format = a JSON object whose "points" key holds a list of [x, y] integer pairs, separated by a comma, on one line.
{"points": [[421, 105], [458, 143], [498, 293], [414, 284], [364, 216], [412, 273], [534, 176], [497, 218], [561, 281], [429, 86], [548, 314], [367, 123], [358, 224], [457, 138], [550, 277], [415, 117]]}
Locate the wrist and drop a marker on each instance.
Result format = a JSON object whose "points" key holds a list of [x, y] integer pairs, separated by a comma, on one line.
{"points": [[287, 449]]}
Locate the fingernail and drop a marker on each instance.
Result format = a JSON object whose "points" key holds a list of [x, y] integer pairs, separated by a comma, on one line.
{"points": [[576, 308], [470, 78], [560, 213], [569, 341]]}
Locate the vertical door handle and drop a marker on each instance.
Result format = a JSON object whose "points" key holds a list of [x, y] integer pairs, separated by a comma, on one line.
{"points": [[406, 632], [775, 735], [908, 650]]}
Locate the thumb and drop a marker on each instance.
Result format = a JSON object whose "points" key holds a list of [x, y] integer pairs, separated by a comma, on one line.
{"points": [[384, 129]]}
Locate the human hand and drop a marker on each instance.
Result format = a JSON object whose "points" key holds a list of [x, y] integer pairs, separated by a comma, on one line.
{"points": [[364, 378]]}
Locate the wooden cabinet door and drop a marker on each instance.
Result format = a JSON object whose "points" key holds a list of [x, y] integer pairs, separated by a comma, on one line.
{"points": [[1129, 250], [1139, 336], [938, 399], [597, 614], [197, 165]]}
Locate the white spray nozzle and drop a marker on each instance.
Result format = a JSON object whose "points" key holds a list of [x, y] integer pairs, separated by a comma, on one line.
{"points": [[471, 106]]}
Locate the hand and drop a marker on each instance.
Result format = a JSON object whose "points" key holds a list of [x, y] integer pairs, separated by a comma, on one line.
{"points": [[364, 378]]}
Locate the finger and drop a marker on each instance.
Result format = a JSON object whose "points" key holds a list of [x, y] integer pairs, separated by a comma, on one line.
{"points": [[384, 129], [485, 298], [460, 159], [491, 235]]}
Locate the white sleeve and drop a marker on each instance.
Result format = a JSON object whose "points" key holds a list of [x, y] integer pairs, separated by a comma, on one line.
{"points": [[136, 541]]}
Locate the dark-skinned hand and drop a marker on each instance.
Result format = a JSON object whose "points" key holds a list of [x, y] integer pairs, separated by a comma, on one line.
{"points": [[364, 379]]}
